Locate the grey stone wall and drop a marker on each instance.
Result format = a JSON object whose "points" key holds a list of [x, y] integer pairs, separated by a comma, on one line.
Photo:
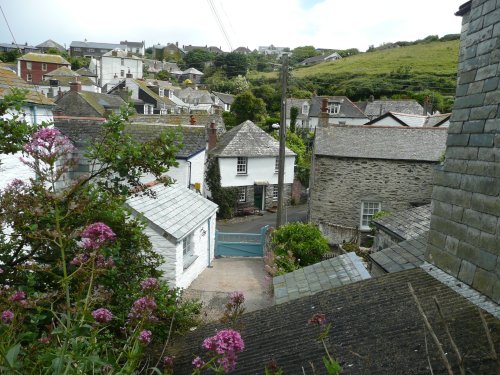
{"points": [[383, 240], [341, 184], [269, 201], [464, 239]]}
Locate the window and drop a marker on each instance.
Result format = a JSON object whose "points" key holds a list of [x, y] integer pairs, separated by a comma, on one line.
{"points": [[368, 209], [104, 50], [275, 192], [122, 73], [333, 108], [276, 165], [29, 65], [148, 109], [305, 109], [242, 194], [241, 165], [188, 251], [122, 61], [161, 92], [77, 49], [44, 67], [29, 77], [90, 50]]}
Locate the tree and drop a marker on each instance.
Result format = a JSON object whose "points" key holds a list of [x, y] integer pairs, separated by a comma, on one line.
{"points": [[224, 197], [197, 59], [163, 75], [301, 53], [294, 113], [247, 107], [233, 64]]}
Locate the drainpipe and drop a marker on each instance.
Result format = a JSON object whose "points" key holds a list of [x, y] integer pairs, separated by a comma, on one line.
{"points": [[189, 175], [209, 242]]}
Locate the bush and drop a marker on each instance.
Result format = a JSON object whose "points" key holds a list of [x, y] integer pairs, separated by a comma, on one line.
{"points": [[305, 241]]}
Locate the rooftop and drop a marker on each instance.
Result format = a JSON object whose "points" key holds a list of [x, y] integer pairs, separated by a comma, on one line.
{"points": [[97, 45], [347, 108], [9, 80], [175, 211], [377, 108], [44, 58], [247, 139], [406, 224], [388, 143]]}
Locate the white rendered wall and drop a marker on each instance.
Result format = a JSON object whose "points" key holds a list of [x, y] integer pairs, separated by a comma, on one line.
{"points": [[258, 169], [387, 121], [111, 65], [313, 121]]}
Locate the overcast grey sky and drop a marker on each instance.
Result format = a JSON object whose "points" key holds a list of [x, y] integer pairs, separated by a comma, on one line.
{"points": [[336, 24]]}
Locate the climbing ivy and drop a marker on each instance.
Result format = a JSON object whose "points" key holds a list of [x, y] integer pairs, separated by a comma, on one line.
{"points": [[225, 197]]}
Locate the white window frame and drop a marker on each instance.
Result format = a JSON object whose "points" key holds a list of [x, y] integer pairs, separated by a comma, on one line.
{"points": [[368, 209], [333, 108], [305, 109], [44, 67], [148, 109], [242, 194], [29, 77], [161, 92], [122, 62], [90, 50], [242, 165], [29, 65], [122, 73], [276, 164], [275, 192], [188, 250]]}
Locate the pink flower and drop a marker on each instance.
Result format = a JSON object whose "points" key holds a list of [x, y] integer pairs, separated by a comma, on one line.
{"points": [[18, 296], [7, 316], [168, 361], [198, 362], [145, 336], [44, 340], [144, 307], [236, 298], [150, 283], [319, 319], [102, 315], [94, 235], [48, 145], [80, 259], [102, 262], [224, 341], [1, 270]]}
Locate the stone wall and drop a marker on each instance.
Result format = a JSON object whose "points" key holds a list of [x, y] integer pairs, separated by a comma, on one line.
{"points": [[464, 239], [336, 234], [341, 184]]}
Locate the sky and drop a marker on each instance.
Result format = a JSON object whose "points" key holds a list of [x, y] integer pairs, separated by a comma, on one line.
{"points": [[331, 24]]}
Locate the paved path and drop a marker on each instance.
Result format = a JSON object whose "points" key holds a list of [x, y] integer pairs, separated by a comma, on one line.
{"points": [[227, 275], [253, 223]]}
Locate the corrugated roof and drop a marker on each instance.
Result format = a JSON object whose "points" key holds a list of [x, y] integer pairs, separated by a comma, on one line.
{"points": [[347, 108], [9, 80], [176, 210], [45, 58], [372, 142], [247, 139]]}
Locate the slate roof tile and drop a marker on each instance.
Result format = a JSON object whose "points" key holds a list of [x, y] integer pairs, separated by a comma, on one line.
{"points": [[9, 80], [347, 108], [406, 224]]}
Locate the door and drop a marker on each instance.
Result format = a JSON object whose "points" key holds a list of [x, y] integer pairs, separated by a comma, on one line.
{"points": [[258, 193]]}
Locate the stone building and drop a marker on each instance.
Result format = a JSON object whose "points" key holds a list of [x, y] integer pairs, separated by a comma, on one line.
{"points": [[360, 170], [464, 239]]}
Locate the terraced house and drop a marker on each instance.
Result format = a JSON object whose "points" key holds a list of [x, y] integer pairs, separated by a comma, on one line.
{"points": [[32, 67]]}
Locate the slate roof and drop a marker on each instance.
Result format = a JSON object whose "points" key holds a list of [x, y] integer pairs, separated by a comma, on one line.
{"points": [[389, 143], [191, 96], [225, 98], [193, 137], [242, 50], [313, 59], [132, 44], [412, 120], [347, 108], [144, 86], [192, 71], [377, 108], [86, 72], [51, 44], [406, 224], [247, 139], [95, 45], [175, 211], [376, 329], [100, 102], [22, 47], [44, 58], [65, 81], [292, 102], [62, 71], [306, 281], [9, 79]]}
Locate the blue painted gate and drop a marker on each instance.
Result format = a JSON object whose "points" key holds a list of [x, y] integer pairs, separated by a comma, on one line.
{"points": [[240, 244]]}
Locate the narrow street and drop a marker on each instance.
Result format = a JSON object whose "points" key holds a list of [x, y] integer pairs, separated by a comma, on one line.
{"points": [[253, 223]]}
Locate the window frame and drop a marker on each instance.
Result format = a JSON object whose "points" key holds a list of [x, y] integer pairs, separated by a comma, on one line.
{"points": [[368, 209], [275, 192], [333, 108], [188, 255], [122, 73], [44, 67], [242, 194], [122, 61], [305, 109], [242, 165], [29, 77], [161, 92], [276, 164], [29, 65]]}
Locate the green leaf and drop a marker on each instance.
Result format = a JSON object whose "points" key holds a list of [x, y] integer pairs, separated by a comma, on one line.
{"points": [[12, 354], [155, 370], [332, 366]]}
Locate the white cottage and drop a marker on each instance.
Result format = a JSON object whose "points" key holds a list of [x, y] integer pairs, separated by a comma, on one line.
{"points": [[181, 227], [36, 109]]}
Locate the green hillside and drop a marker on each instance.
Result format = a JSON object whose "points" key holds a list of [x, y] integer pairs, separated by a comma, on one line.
{"points": [[416, 71]]}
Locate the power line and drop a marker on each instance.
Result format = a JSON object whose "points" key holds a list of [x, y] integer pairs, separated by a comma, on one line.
{"points": [[219, 22]]}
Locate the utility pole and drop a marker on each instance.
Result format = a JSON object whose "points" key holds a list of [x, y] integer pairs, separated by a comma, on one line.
{"points": [[281, 167]]}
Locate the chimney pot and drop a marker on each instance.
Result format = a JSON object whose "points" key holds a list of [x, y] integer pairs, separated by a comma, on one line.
{"points": [[75, 86], [192, 120]]}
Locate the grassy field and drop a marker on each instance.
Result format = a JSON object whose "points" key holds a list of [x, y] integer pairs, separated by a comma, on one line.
{"points": [[437, 58]]}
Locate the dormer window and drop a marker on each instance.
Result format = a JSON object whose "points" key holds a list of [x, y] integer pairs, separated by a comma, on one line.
{"points": [[161, 92], [305, 109], [333, 108]]}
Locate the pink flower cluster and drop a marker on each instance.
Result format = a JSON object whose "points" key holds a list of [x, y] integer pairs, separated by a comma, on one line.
{"points": [[80, 259], [48, 144], [18, 296], [236, 298], [7, 316], [102, 315], [225, 343], [198, 362], [144, 307], [145, 336], [150, 283], [95, 235], [318, 319], [103, 262], [168, 361]]}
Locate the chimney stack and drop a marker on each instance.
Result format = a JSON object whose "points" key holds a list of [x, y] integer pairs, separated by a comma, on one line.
{"points": [[372, 98], [323, 116], [75, 86], [192, 120], [212, 136]]}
